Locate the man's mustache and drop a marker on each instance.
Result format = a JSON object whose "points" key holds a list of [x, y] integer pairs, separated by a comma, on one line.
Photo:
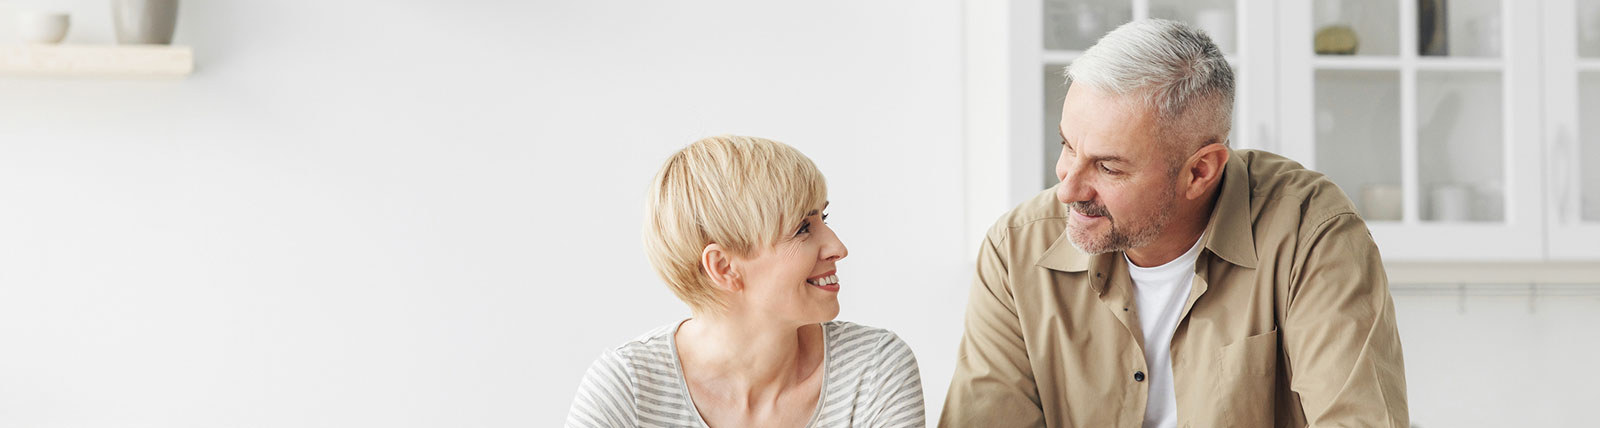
{"points": [[1090, 209]]}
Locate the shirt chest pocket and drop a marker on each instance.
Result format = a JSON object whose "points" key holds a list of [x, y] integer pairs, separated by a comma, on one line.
{"points": [[1245, 377], [1252, 356]]}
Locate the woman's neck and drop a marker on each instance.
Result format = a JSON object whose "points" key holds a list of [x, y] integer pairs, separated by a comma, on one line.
{"points": [[748, 361]]}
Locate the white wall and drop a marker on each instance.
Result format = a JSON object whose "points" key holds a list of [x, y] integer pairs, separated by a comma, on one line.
{"points": [[1500, 355], [427, 213]]}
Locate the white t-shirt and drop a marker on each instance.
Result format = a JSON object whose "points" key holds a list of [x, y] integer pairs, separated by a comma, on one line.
{"points": [[1161, 292]]}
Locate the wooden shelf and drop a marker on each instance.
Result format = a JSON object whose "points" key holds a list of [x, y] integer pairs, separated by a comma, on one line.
{"points": [[1340, 62], [1458, 64], [1381, 63], [112, 61]]}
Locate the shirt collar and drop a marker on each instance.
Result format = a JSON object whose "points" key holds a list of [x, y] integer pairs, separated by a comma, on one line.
{"points": [[1228, 232]]}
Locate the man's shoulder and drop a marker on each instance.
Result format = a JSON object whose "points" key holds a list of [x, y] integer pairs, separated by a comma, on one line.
{"points": [[1041, 210], [1279, 184]]}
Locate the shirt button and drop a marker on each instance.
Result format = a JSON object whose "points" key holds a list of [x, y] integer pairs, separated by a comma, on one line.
{"points": [[1138, 376]]}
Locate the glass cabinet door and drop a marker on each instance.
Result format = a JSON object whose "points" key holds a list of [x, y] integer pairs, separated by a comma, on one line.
{"points": [[1572, 127], [1424, 113]]}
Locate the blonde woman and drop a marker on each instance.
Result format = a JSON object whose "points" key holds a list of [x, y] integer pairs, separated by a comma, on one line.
{"points": [[736, 228]]}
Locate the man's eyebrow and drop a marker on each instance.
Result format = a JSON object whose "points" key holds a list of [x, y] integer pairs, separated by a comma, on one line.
{"points": [[1112, 158]]}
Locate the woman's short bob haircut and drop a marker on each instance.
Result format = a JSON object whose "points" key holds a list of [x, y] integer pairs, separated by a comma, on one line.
{"points": [[742, 193]]}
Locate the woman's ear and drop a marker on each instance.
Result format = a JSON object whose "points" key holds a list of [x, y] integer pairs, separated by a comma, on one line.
{"points": [[1204, 170], [718, 264]]}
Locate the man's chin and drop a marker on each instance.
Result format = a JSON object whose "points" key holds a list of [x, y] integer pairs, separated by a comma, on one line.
{"points": [[1088, 245]]}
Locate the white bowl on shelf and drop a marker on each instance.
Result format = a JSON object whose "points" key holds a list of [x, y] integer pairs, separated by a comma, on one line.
{"points": [[43, 27]]}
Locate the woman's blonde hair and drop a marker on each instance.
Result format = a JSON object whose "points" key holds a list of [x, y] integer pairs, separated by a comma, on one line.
{"points": [[742, 193]]}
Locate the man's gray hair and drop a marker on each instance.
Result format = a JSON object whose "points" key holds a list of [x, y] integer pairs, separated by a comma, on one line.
{"points": [[1167, 65]]}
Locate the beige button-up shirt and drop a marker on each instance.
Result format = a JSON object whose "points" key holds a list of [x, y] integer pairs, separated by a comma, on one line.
{"points": [[1289, 321]]}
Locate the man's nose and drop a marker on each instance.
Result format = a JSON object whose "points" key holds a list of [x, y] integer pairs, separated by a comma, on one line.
{"points": [[1073, 188]]}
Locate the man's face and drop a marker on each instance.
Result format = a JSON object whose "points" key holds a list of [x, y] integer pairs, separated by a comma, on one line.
{"points": [[1114, 174]]}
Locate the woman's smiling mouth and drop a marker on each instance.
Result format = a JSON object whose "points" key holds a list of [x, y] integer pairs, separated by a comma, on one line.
{"points": [[828, 281]]}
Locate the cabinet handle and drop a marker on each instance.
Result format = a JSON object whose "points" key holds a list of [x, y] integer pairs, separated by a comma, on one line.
{"points": [[1561, 175]]}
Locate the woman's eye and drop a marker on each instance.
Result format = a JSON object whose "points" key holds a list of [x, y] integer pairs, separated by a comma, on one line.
{"points": [[824, 219], [805, 226]]}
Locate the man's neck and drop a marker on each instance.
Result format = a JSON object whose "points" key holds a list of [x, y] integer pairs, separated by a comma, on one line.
{"points": [[1181, 234], [1166, 250]]}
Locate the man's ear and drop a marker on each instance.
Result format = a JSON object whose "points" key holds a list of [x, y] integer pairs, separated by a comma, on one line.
{"points": [[718, 264], [1203, 170]]}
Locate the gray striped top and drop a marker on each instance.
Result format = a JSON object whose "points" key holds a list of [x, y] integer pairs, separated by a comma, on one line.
{"points": [[869, 379]]}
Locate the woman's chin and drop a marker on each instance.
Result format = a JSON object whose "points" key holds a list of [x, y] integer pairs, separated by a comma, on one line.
{"points": [[821, 314], [830, 313]]}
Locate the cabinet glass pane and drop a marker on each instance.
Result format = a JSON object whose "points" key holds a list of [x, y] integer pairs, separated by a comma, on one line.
{"points": [[1215, 17], [1358, 138], [1357, 27], [1589, 28], [1460, 149], [1589, 145], [1467, 28], [1077, 24], [1055, 92]]}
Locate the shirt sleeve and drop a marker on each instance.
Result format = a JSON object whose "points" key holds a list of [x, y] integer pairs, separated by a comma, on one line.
{"points": [[1339, 331], [604, 398], [993, 384], [898, 402]]}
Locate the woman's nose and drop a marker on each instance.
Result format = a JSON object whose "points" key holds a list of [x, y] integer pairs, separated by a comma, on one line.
{"points": [[835, 250]]}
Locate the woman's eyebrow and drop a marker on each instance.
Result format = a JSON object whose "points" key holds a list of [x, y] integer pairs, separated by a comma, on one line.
{"points": [[814, 212]]}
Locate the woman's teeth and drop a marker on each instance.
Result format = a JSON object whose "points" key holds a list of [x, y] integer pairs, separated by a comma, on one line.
{"points": [[826, 280]]}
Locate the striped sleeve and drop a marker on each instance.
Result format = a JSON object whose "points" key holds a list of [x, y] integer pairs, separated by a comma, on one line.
{"points": [[605, 397], [897, 386]]}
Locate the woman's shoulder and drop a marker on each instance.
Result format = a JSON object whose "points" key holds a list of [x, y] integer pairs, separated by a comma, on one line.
{"points": [[877, 344], [876, 371], [653, 348], [623, 374]]}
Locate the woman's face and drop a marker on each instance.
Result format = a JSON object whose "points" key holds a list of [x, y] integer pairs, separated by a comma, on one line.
{"points": [[795, 281]]}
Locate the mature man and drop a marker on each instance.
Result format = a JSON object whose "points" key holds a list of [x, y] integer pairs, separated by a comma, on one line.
{"points": [[1169, 280]]}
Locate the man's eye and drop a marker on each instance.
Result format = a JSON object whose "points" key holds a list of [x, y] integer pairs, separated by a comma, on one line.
{"points": [[1106, 170]]}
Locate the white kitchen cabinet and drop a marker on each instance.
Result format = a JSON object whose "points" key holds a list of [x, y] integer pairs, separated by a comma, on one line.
{"points": [[1434, 135], [1454, 125], [1571, 40]]}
